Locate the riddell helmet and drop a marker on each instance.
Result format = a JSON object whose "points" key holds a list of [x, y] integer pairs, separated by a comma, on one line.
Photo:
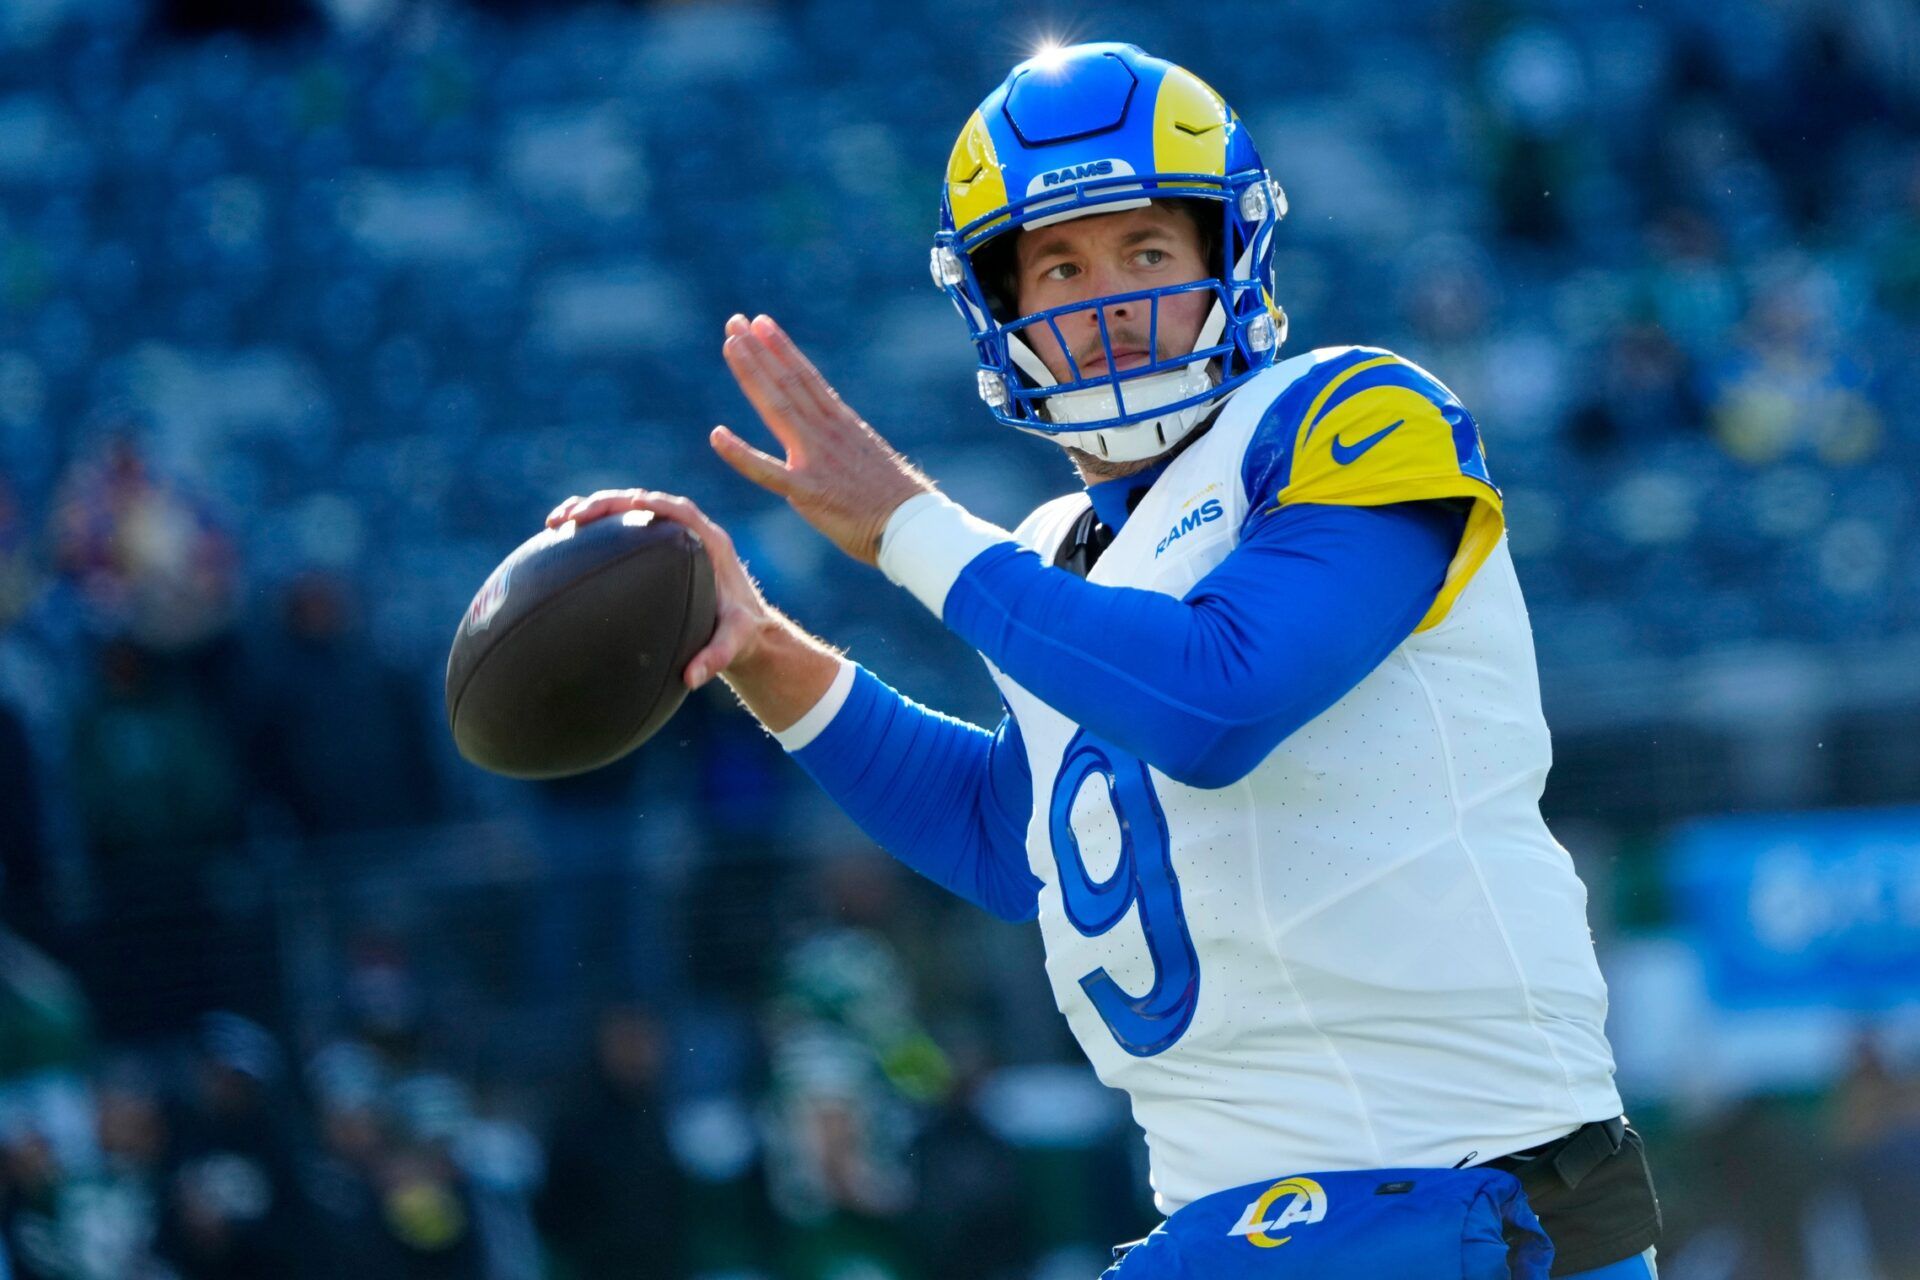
{"points": [[1091, 129]]}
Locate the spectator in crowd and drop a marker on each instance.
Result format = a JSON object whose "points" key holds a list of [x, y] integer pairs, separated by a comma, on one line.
{"points": [[614, 1199], [47, 1216], [429, 1207], [1876, 1134], [1760, 1216], [137, 1161], [150, 562], [1793, 388], [1896, 248], [342, 1178], [158, 777], [20, 570], [234, 1206], [45, 1023], [86, 1206], [160, 805], [851, 1069], [25, 905], [36, 1213], [1645, 390], [970, 1213], [339, 738]]}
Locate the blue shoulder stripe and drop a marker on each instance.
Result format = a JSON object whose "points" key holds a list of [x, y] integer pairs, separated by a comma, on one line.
{"points": [[1397, 374], [1267, 464]]}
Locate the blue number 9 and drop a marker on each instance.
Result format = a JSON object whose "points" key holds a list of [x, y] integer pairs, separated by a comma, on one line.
{"points": [[1146, 1024]]}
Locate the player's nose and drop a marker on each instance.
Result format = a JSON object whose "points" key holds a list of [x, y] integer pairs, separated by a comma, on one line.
{"points": [[1104, 281], [1102, 287]]}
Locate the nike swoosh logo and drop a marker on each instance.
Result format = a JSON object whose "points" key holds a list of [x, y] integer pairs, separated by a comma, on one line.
{"points": [[1343, 453]]}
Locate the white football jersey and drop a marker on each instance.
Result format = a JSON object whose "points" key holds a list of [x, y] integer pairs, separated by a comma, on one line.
{"points": [[1370, 952]]}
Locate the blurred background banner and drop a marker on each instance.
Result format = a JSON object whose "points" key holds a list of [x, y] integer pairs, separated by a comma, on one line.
{"points": [[1818, 910], [310, 310]]}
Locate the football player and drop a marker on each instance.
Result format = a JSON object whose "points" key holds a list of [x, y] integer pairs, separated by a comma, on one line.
{"points": [[1272, 754]]}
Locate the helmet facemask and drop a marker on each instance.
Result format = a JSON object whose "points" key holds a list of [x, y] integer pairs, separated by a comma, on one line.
{"points": [[1122, 415]]}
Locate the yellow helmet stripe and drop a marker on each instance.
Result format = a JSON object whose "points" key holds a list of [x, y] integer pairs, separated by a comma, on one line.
{"points": [[1190, 124], [975, 186]]}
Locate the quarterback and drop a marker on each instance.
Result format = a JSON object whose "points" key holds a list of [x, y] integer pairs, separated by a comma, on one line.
{"points": [[1270, 766]]}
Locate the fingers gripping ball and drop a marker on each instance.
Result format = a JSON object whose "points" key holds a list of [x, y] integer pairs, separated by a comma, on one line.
{"points": [[571, 655]]}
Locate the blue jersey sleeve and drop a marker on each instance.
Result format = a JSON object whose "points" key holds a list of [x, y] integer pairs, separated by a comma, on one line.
{"points": [[948, 799], [1203, 688]]}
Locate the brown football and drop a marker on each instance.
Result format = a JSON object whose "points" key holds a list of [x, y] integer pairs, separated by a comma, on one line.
{"points": [[572, 653]]}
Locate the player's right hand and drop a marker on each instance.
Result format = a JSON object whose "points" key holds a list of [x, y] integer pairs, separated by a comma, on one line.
{"points": [[838, 473], [743, 617]]}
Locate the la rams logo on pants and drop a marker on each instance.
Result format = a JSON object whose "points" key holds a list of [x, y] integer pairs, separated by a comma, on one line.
{"points": [[1305, 1202]]}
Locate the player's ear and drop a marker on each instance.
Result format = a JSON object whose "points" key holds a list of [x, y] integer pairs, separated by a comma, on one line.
{"points": [[996, 264], [1200, 218]]}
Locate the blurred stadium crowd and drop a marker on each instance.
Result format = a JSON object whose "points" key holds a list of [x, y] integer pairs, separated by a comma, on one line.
{"points": [[300, 334]]}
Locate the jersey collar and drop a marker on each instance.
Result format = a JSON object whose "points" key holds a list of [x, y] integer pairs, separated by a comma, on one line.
{"points": [[1114, 500]]}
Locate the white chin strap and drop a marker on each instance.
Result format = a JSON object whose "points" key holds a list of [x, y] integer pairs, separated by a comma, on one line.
{"points": [[1147, 438]]}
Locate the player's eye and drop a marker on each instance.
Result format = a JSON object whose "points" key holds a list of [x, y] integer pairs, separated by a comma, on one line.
{"points": [[1060, 271], [1150, 257]]}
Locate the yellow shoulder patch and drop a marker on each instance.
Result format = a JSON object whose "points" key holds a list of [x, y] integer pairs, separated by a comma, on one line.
{"points": [[1385, 431]]}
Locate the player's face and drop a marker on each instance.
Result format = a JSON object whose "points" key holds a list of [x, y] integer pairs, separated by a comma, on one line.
{"points": [[1097, 257]]}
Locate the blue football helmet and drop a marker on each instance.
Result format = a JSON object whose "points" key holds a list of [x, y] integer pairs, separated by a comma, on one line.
{"points": [[1091, 129]]}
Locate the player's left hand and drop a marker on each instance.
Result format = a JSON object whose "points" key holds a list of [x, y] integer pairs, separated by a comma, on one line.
{"points": [[841, 477]]}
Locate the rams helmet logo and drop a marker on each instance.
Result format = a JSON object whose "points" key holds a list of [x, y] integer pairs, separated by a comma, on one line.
{"points": [[1077, 173]]}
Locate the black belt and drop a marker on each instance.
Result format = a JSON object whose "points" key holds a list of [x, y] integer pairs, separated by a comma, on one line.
{"points": [[1565, 1161]]}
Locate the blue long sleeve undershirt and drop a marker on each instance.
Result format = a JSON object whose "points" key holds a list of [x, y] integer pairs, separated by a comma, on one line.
{"points": [[945, 797], [1203, 687]]}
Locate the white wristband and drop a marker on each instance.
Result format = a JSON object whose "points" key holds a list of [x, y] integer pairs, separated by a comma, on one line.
{"points": [[928, 541], [820, 714]]}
